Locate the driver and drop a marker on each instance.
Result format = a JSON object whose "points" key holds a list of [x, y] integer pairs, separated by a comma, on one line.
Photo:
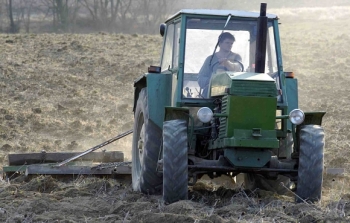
{"points": [[223, 60]]}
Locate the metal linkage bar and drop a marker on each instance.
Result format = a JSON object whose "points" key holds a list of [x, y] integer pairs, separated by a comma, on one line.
{"points": [[94, 148]]}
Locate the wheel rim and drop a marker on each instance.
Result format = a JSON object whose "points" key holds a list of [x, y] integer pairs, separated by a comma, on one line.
{"points": [[141, 145], [138, 153]]}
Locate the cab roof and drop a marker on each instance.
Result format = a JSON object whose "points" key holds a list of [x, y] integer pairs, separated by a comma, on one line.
{"points": [[218, 12]]}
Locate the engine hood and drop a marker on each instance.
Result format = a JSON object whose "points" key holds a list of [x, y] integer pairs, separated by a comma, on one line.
{"points": [[243, 83]]}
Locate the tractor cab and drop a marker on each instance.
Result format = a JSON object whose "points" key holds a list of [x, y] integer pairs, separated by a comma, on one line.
{"points": [[191, 36]]}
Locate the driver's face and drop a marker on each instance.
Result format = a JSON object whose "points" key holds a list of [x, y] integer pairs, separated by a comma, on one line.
{"points": [[226, 45]]}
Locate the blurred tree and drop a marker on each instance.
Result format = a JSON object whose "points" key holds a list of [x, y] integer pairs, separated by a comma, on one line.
{"points": [[13, 28], [1, 15], [109, 15], [122, 23], [142, 16], [120, 16], [25, 9], [150, 13], [60, 14], [64, 14], [98, 11]]}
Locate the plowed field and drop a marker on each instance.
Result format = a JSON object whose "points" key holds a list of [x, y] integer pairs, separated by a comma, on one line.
{"points": [[69, 92]]}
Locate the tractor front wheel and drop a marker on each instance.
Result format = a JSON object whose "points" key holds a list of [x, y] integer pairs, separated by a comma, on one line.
{"points": [[310, 168], [175, 161]]}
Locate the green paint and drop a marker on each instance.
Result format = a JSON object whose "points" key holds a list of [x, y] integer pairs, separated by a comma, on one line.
{"points": [[14, 169], [243, 83], [249, 113], [248, 138], [250, 122], [159, 96], [247, 157]]}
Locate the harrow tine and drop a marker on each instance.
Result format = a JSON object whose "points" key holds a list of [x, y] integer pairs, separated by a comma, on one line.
{"points": [[94, 148]]}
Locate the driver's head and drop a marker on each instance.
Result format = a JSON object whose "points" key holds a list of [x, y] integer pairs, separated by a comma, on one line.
{"points": [[226, 41], [226, 36]]}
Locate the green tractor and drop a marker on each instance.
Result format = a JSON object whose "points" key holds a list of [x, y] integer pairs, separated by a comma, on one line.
{"points": [[245, 120]]}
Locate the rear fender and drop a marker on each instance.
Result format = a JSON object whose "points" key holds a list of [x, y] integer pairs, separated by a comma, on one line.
{"points": [[138, 85], [158, 94]]}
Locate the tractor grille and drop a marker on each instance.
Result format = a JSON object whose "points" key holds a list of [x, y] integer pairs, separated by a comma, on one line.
{"points": [[245, 88], [223, 120], [253, 88]]}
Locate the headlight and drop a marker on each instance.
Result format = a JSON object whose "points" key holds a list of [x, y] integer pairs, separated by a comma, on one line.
{"points": [[205, 114], [296, 116]]}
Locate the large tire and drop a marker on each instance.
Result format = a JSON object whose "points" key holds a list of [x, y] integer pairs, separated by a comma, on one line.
{"points": [[310, 169], [175, 161], [145, 149]]}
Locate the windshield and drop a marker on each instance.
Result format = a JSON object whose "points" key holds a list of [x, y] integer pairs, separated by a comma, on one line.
{"points": [[235, 51]]}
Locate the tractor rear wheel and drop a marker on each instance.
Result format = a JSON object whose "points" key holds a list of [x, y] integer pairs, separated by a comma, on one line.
{"points": [[175, 161], [310, 169], [145, 149]]}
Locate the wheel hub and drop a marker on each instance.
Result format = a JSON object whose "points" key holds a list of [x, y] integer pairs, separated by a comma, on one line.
{"points": [[140, 144]]}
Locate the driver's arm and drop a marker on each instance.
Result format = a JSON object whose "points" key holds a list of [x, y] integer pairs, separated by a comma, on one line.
{"points": [[231, 66], [204, 74], [231, 63]]}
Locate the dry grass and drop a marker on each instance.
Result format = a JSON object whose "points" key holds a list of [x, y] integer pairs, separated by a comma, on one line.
{"points": [[69, 92]]}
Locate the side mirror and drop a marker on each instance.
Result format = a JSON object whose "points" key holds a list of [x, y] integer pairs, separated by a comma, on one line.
{"points": [[162, 29]]}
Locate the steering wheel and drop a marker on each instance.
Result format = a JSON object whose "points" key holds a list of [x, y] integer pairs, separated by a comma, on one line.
{"points": [[234, 61], [240, 63]]}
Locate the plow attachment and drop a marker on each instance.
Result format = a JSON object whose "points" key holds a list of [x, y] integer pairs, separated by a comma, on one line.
{"points": [[89, 162]]}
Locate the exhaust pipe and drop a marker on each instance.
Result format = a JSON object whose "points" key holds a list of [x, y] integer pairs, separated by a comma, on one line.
{"points": [[260, 53]]}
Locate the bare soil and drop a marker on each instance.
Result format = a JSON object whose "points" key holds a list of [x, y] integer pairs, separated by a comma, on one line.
{"points": [[70, 92]]}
